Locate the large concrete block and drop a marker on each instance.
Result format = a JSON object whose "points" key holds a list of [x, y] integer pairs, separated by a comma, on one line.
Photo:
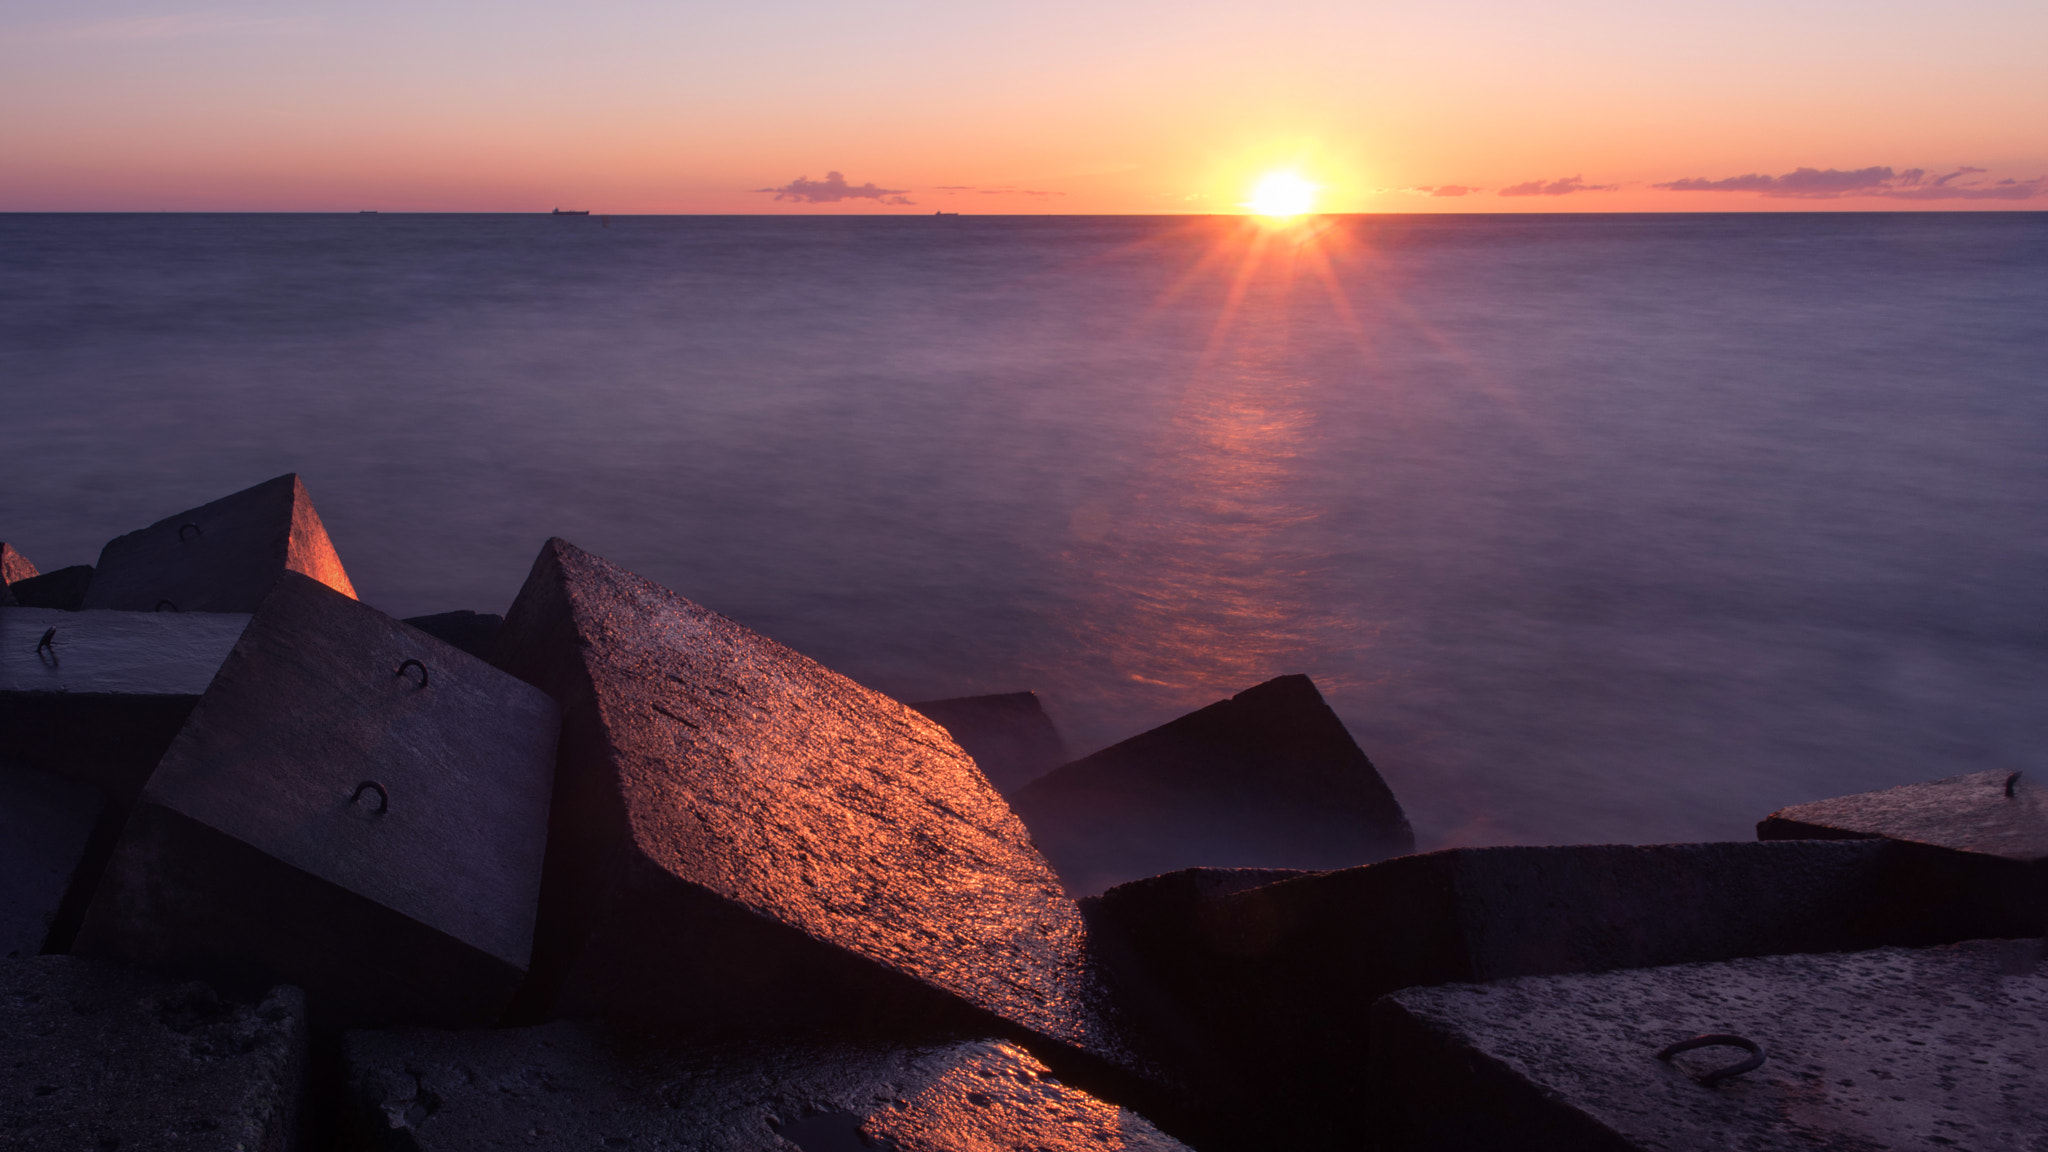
{"points": [[1266, 779], [97, 1056], [98, 696], [63, 589], [13, 566], [744, 840], [1267, 988], [569, 1085], [46, 839], [354, 807], [1998, 813], [219, 557], [1927, 1050], [474, 632], [1010, 737]]}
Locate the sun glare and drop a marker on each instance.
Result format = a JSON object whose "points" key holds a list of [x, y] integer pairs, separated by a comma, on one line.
{"points": [[1282, 194]]}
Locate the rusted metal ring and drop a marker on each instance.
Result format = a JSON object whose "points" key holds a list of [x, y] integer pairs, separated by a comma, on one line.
{"points": [[415, 664], [1718, 1040], [48, 641], [383, 797], [2012, 784], [163, 604], [192, 526]]}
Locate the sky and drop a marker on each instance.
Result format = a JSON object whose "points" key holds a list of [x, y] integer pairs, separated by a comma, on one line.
{"points": [[993, 106]]}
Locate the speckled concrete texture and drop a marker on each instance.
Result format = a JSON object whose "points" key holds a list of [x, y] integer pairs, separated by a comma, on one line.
{"points": [[569, 1085], [219, 557], [257, 853], [97, 1057], [745, 839], [1269, 778], [1997, 813], [1917, 1050]]}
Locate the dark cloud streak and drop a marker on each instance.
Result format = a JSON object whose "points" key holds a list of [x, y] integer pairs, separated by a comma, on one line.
{"points": [[1835, 183], [1563, 186], [833, 189]]}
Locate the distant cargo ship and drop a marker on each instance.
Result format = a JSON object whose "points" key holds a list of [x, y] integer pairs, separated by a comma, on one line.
{"points": [[572, 212]]}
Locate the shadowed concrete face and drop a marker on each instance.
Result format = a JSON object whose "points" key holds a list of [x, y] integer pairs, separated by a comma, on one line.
{"points": [[1925, 1050], [63, 589], [102, 700], [257, 852], [744, 839], [1266, 779], [579, 1086], [1010, 737], [219, 557], [100, 1056], [1266, 989], [1998, 813], [46, 829]]}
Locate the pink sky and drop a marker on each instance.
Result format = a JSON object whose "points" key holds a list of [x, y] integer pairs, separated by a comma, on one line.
{"points": [[1051, 106]]}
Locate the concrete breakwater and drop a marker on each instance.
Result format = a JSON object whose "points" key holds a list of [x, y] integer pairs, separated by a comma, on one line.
{"points": [[610, 870]]}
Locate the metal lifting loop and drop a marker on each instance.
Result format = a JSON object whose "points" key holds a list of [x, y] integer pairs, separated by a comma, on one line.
{"points": [[415, 664], [196, 530], [1715, 1040], [49, 641], [2012, 783], [383, 797], [163, 604]]}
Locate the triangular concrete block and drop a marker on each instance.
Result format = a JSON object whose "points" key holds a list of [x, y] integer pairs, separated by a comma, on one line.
{"points": [[354, 807], [219, 557], [1266, 779], [1010, 737], [13, 566], [1997, 813], [744, 840]]}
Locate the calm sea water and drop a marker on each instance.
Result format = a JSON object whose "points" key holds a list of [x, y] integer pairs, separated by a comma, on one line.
{"points": [[1620, 528]]}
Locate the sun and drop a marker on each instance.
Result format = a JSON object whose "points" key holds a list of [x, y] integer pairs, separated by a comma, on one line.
{"points": [[1282, 194]]}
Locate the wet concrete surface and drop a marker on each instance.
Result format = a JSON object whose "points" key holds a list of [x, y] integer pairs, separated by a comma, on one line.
{"points": [[1009, 735], [219, 557], [1997, 813], [46, 836], [580, 1085], [1269, 778], [102, 700], [98, 1057], [355, 807], [1267, 989], [745, 841], [1928, 1050]]}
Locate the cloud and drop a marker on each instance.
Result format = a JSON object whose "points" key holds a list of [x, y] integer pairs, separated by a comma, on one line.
{"points": [[1563, 186], [1835, 183], [1448, 190], [834, 188]]}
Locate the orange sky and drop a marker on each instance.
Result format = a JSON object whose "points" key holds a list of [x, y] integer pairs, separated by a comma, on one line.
{"points": [[1052, 106]]}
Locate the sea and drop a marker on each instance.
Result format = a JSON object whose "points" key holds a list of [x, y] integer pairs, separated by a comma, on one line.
{"points": [[1593, 529]]}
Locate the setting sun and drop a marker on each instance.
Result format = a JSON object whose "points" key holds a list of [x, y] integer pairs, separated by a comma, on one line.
{"points": [[1282, 194]]}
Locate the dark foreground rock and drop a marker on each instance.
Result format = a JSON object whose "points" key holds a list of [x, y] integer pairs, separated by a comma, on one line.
{"points": [[474, 632], [63, 590], [104, 697], [46, 837], [581, 1086], [96, 1057], [1895, 1048], [1010, 737], [746, 841], [1267, 988], [1266, 779], [354, 807], [219, 557]]}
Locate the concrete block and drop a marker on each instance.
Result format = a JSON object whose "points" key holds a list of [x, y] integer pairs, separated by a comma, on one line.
{"points": [[1266, 989], [46, 836], [100, 1056], [746, 841], [474, 632], [1266, 779], [219, 557], [102, 700], [353, 807], [1927, 1050], [13, 567], [569, 1085], [1999, 813], [63, 589], [1010, 737]]}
